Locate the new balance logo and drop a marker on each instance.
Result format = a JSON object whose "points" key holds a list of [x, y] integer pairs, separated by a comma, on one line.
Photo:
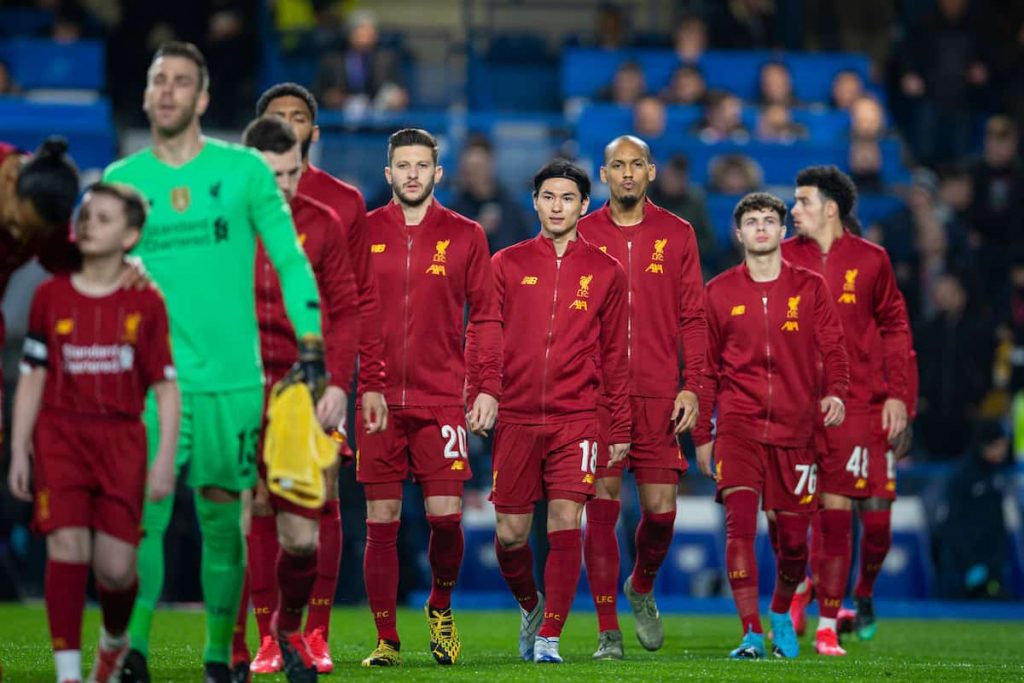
{"points": [[378, 248], [738, 310], [529, 280]]}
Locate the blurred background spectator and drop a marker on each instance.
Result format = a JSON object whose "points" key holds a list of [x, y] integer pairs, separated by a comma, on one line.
{"points": [[722, 118], [690, 39], [364, 75], [673, 190], [628, 85], [775, 124], [847, 88], [480, 196], [7, 84], [735, 174], [686, 87], [649, 118], [775, 85]]}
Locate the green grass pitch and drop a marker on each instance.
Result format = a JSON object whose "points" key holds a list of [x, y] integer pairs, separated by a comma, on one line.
{"points": [[695, 648]]}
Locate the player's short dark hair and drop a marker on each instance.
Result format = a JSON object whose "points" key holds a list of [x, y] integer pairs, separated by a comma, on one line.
{"points": [[563, 168], [411, 137], [286, 90], [833, 185], [135, 207], [269, 134], [178, 48], [50, 181], [758, 201]]}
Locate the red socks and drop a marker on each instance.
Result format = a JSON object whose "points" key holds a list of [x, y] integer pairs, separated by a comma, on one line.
{"points": [[834, 567], [295, 576], [64, 589], [817, 546], [322, 599], [561, 576], [740, 561], [601, 555], [653, 537], [445, 554], [263, 552], [876, 537], [517, 569], [116, 606], [380, 571], [239, 648], [791, 558]]}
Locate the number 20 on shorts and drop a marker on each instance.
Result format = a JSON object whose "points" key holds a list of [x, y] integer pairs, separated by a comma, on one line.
{"points": [[455, 447]]}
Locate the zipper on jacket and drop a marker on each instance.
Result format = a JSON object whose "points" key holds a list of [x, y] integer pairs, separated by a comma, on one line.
{"points": [[629, 305], [547, 345], [768, 361], [405, 313]]}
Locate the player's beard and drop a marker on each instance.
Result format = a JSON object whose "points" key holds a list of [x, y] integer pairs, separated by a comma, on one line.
{"points": [[428, 190], [628, 201], [304, 146], [188, 115]]}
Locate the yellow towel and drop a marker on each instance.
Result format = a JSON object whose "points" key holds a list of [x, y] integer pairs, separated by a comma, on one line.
{"points": [[296, 449]]}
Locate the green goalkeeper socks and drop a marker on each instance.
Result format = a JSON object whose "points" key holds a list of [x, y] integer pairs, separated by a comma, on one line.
{"points": [[155, 519], [222, 573]]}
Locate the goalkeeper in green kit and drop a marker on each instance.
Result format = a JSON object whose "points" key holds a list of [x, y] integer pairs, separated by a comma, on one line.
{"points": [[209, 201]]}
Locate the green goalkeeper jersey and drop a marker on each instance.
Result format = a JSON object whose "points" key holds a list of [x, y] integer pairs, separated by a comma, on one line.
{"points": [[199, 246]]}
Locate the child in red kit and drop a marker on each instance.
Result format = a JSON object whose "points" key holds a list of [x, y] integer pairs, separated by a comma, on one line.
{"points": [[93, 351]]}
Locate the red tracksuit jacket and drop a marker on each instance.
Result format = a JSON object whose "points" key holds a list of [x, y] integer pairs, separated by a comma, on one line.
{"points": [[323, 240], [869, 304], [765, 340], [665, 295], [565, 325], [426, 274], [348, 203]]}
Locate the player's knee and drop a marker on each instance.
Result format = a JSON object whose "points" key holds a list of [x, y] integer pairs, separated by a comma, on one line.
{"points": [[300, 547], [383, 511], [831, 501], [564, 514], [115, 573], [68, 545], [512, 533], [608, 488]]}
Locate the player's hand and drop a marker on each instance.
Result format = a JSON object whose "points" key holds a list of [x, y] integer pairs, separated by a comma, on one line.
{"points": [[375, 412], [135, 275], [704, 460], [617, 452], [330, 409], [894, 418], [901, 444], [20, 474], [160, 481], [685, 411], [310, 366], [834, 409], [483, 414]]}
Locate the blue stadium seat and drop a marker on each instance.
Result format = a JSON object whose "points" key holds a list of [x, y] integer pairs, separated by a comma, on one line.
{"points": [[720, 208], [480, 565], [873, 208], [813, 72], [734, 70], [88, 127], [38, 63], [696, 557]]}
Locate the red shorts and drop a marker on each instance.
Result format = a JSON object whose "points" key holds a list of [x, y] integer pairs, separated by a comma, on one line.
{"points": [[856, 460], [786, 478], [428, 442], [278, 503], [531, 462], [90, 472], [654, 455]]}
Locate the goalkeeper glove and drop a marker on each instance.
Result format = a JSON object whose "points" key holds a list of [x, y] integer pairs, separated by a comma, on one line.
{"points": [[310, 367]]}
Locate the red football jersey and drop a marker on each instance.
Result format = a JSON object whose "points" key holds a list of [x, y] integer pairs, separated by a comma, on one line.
{"points": [[765, 340], [666, 297], [348, 203], [323, 240], [565, 322], [101, 353], [869, 304], [427, 274]]}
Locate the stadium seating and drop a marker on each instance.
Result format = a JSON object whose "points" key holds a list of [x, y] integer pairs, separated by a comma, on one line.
{"points": [[45, 64], [88, 127]]}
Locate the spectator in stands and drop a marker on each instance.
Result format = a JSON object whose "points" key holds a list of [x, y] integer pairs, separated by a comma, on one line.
{"points": [[945, 63], [672, 190], [775, 85], [972, 535], [956, 193], [686, 87], [998, 178], [363, 76], [775, 124], [866, 166], [480, 196], [955, 357], [7, 84], [649, 118], [847, 88], [612, 28], [722, 118], [690, 39], [628, 85], [1015, 322], [867, 119], [745, 25], [735, 174], [1011, 67]]}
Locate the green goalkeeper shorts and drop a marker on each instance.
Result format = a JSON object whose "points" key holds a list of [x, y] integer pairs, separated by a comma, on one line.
{"points": [[218, 438]]}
